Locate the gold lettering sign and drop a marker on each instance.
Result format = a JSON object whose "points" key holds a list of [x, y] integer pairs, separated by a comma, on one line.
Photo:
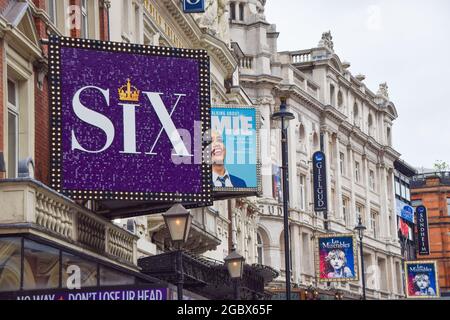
{"points": [[153, 12]]}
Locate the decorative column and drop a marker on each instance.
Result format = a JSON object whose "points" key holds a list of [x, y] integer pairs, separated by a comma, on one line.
{"points": [[296, 252]]}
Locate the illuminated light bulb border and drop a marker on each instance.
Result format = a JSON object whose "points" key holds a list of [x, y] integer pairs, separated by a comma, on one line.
{"points": [[55, 45]]}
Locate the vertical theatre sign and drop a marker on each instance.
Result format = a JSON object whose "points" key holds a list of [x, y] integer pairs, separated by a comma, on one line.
{"points": [[128, 121], [422, 231], [320, 182]]}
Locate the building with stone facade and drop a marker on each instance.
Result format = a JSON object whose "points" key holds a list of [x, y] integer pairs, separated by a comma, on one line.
{"points": [[333, 108]]}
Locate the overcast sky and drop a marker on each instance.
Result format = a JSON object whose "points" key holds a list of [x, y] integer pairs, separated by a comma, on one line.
{"points": [[403, 42]]}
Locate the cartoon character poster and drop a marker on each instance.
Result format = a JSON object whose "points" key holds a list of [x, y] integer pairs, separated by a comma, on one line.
{"points": [[336, 258], [421, 279]]}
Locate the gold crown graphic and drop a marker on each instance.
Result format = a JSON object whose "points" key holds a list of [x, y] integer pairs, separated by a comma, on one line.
{"points": [[128, 92]]}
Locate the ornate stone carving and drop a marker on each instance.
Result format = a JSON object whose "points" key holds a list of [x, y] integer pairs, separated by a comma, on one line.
{"points": [[327, 41], [383, 90], [215, 19]]}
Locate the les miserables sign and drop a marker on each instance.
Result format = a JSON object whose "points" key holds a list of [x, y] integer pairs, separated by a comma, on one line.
{"points": [[128, 121]]}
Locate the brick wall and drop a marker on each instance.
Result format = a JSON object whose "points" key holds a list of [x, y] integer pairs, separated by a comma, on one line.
{"points": [[103, 23], [434, 197]]}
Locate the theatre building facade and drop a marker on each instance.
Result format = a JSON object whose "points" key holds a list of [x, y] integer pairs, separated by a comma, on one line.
{"points": [[50, 242]]}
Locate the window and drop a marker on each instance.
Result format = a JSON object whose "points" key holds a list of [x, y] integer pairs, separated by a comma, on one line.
{"points": [[407, 193], [372, 180], [346, 211], [388, 136], [448, 206], [233, 11], [357, 172], [260, 248], [340, 100], [84, 19], [374, 223], [10, 264], [403, 190], [302, 187], [241, 11], [356, 115], [397, 186], [332, 99], [370, 125], [51, 9], [13, 128], [41, 266], [342, 163]]}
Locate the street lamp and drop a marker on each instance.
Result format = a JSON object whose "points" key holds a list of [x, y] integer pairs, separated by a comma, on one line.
{"points": [[360, 228], [178, 221], [285, 116], [235, 265]]}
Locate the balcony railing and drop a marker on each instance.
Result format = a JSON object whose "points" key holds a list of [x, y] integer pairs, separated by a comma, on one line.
{"points": [[27, 203], [420, 179]]}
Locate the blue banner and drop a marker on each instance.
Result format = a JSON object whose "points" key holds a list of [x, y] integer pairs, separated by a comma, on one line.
{"points": [[234, 148], [320, 182], [193, 6], [404, 210]]}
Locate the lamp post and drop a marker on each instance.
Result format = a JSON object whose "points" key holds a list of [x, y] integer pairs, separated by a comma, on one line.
{"points": [[285, 116], [178, 221], [235, 265], [360, 229]]}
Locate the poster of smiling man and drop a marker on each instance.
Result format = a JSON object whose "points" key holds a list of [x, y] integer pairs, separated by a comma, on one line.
{"points": [[421, 279], [336, 258], [234, 149]]}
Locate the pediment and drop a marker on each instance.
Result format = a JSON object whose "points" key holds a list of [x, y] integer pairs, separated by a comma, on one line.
{"points": [[19, 15]]}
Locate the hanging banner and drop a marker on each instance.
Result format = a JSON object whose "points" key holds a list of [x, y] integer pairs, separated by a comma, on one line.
{"points": [[277, 190], [320, 182], [128, 121], [336, 258], [422, 279], [235, 149], [422, 231], [193, 6], [404, 210]]}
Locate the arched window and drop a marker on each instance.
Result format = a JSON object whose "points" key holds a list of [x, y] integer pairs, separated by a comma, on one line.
{"points": [[315, 141], [301, 134], [260, 249]]}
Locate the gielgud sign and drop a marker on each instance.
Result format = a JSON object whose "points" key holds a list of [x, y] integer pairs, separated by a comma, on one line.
{"points": [[128, 121]]}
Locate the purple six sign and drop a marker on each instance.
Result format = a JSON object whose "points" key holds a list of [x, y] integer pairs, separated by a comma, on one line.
{"points": [[128, 121]]}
